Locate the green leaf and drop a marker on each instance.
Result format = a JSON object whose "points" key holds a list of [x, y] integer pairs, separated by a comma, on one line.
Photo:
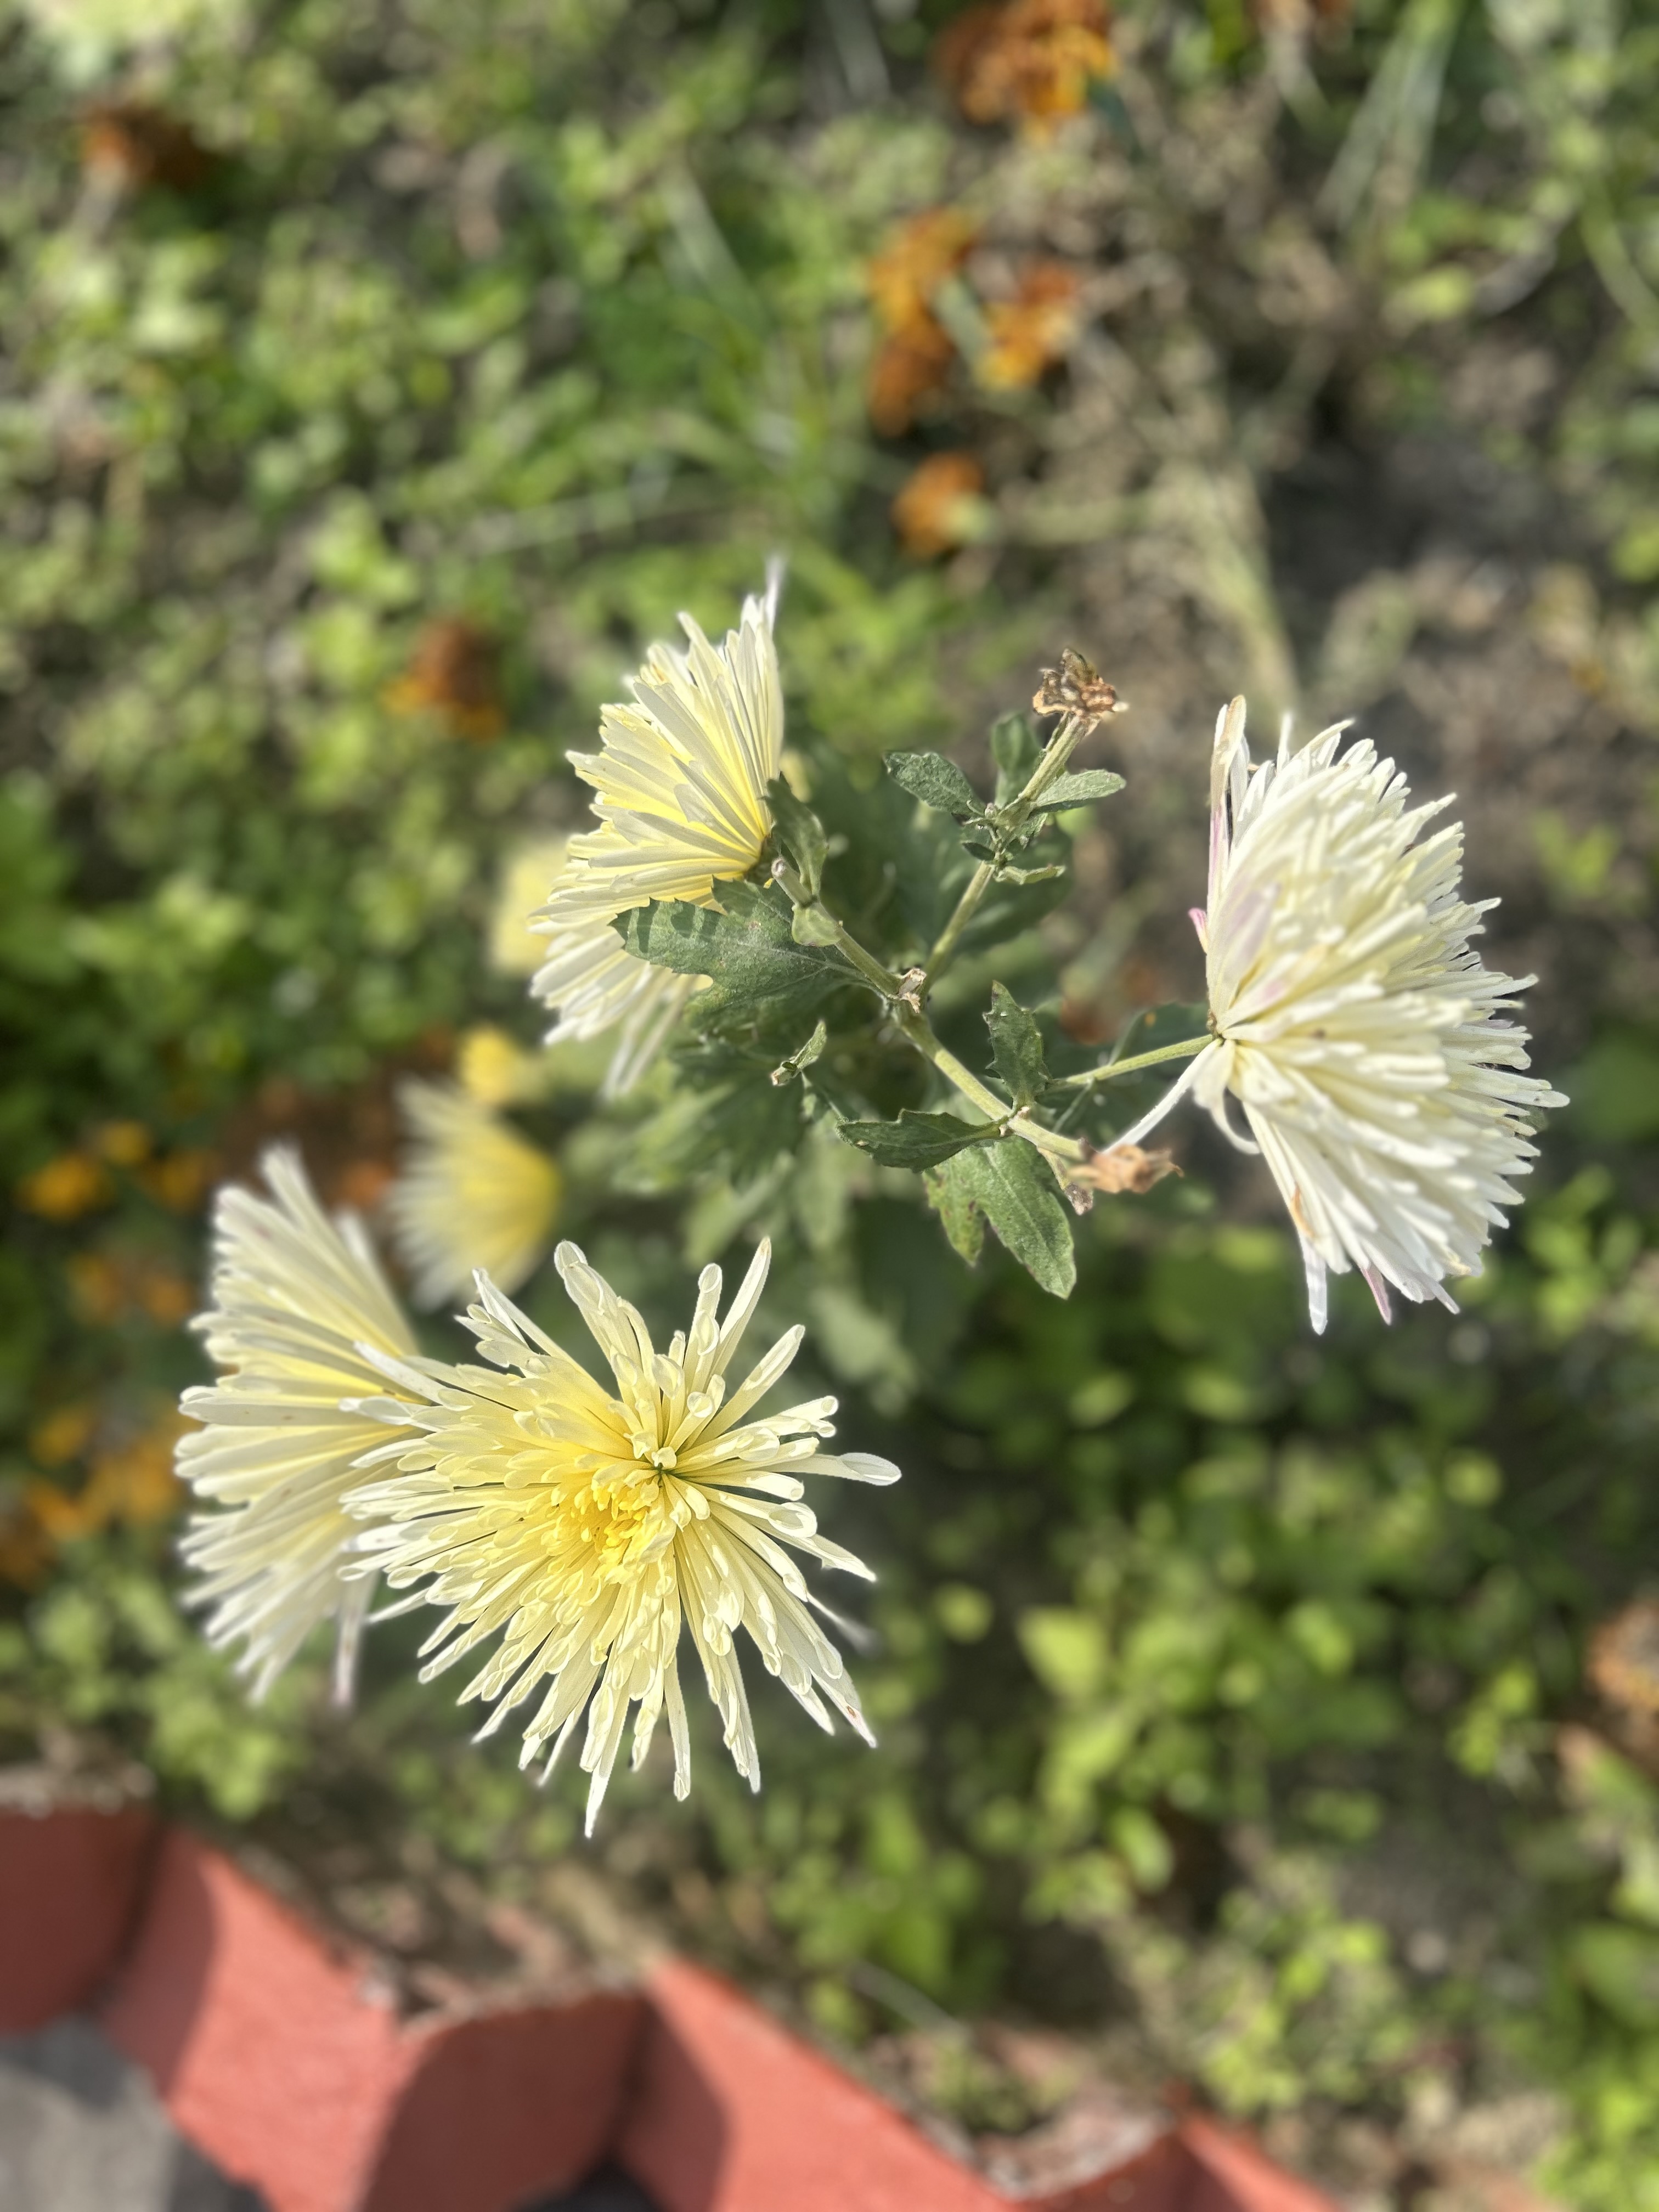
{"points": [[746, 951], [803, 1056], [1016, 1045], [914, 1140], [801, 833], [1080, 789], [813, 925], [1013, 1189], [1050, 872], [1016, 747], [962, 1222], [936, 781]]}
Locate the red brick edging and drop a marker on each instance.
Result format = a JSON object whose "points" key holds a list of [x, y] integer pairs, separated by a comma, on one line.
{"points": [[284, 2060]]}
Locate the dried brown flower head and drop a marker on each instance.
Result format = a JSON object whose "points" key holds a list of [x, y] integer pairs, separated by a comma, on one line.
{"points": [[1077, 687], [1120, 1169], [1029, 60], [934, 512]]}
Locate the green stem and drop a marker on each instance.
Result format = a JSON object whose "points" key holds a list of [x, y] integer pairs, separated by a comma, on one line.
{"points": [[836, 932], [1064, 1151], [1185, 1050], [1013, 818], [1061, 1152]]}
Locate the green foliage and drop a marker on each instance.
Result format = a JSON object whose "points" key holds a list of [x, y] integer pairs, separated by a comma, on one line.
{"points": [[1195, 1640]]}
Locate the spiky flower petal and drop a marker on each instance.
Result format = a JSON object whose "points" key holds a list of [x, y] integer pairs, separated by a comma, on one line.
{"points": [[1357, 1028], [297, 1299], [680, 784], [586, 1528], [472, 1193]]}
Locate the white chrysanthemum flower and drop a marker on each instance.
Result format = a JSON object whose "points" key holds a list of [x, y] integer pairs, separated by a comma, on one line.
{"points": [[299, 1302], [680, 790], [1356, 1027], [587, 1527], [472, 1193]]}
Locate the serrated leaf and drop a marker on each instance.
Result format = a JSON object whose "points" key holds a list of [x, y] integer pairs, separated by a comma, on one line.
{"points": [[1013, 1189], [936, 781], [747, 951], [914, 1140], [801, 833], [1016, 1046], [1016, 747], [951, 1199], [1080, 789]]}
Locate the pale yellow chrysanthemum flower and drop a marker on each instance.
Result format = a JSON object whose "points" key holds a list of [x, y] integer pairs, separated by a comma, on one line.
{"points": [[587, 1527], [472, 1193], [298, 1305], [679, 787], [1357, 1028]]}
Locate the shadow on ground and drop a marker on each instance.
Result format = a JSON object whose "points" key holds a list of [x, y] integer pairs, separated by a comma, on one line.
{"points": [[82, 2130]]}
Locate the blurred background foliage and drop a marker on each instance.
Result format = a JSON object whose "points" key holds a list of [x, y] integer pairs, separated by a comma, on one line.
{"points": [[377, 377]]}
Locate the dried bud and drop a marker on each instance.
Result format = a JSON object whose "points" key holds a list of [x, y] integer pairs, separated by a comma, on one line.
{"points": [[909, 990], [1077, 687], [1124, 1168]]}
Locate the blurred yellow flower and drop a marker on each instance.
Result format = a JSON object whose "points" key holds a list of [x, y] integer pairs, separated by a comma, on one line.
{"points": [[65, 1188], [299, 1301], [472, 1193], [495, 1069], [528, 876], [589, 1528]]}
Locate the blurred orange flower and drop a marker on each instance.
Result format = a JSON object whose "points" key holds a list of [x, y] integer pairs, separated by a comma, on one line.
{"points": [[361, 1184], [453, 673], [1623, 1661], [108, 1286], [61, 1435], [914, 359], [934, 510], [909, 368], [904, 277], [1030, 59], [133, 1483], [181, 1179], [131, 145], [25, 1553], [66, 1187], [1031, 331], [123, 1143]]}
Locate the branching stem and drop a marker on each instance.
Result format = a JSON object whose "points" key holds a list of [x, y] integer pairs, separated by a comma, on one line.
{"points": [[900, 993], [1012, 819]]}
